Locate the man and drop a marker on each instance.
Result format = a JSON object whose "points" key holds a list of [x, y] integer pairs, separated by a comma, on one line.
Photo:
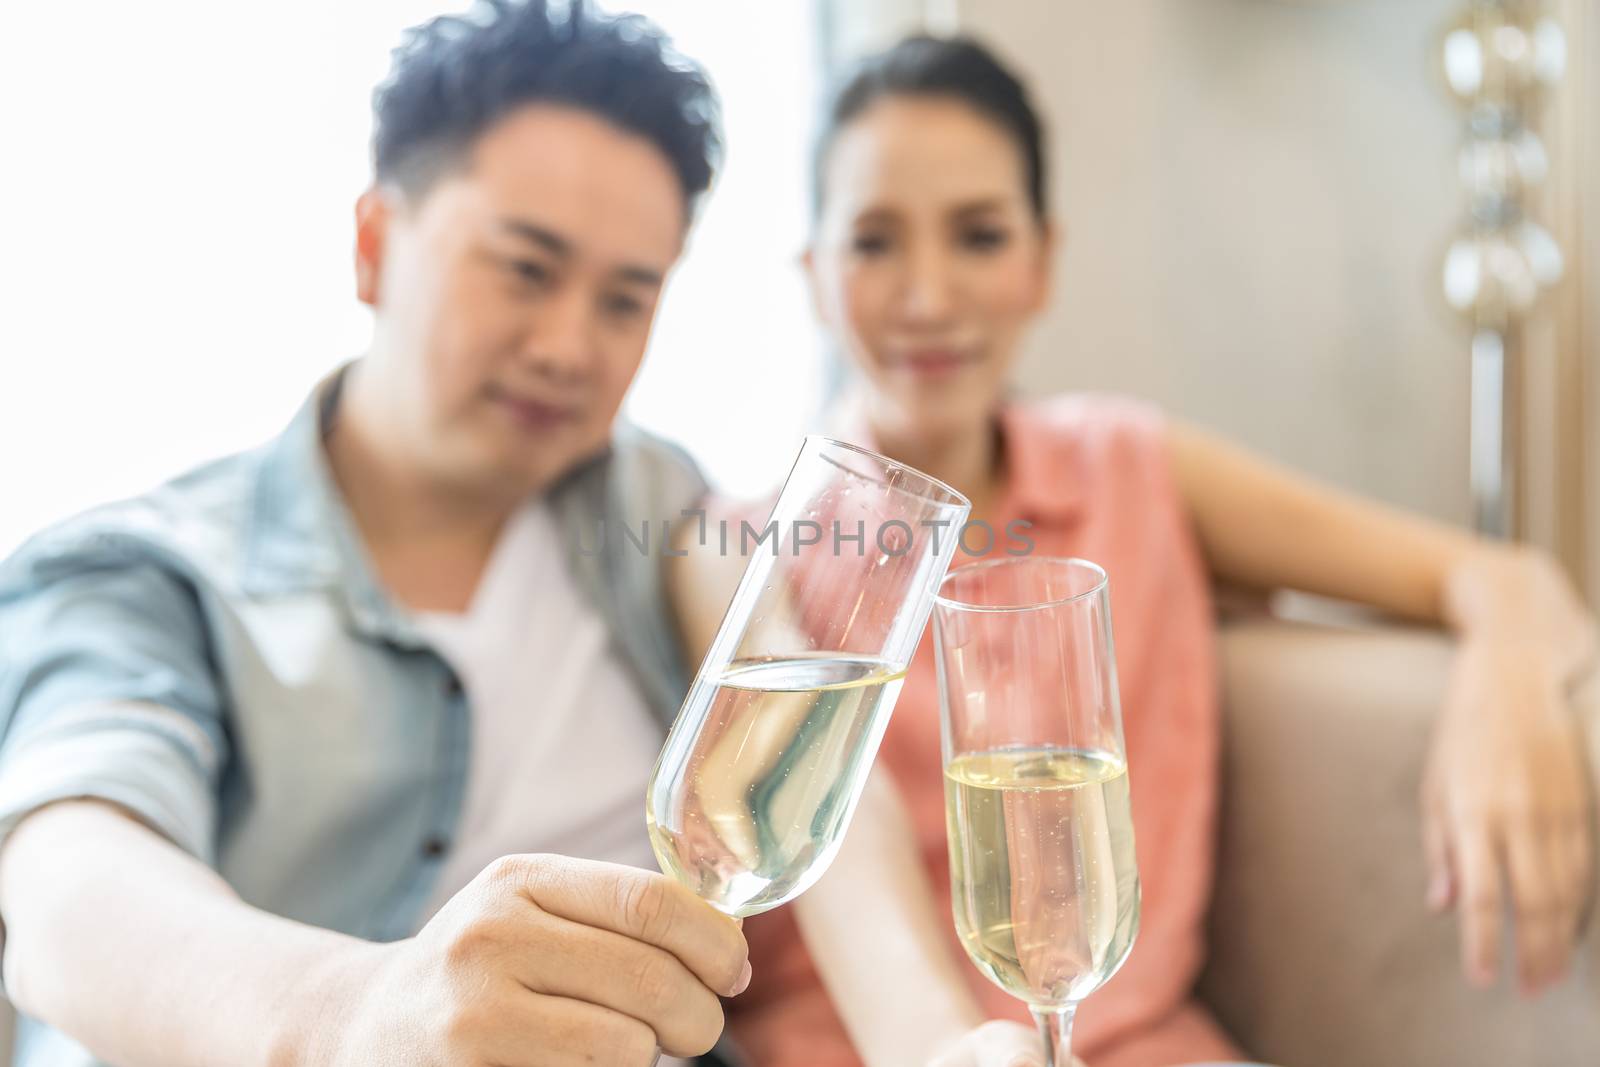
{"points": [[256, 723], [276, 737]]}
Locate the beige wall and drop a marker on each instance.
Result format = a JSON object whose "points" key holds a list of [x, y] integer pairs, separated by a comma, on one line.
{"points": [[1256, 195]]}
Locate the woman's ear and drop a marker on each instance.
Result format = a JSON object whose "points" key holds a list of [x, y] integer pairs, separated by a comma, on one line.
{"points": [[372, 232], [1044, 268]]}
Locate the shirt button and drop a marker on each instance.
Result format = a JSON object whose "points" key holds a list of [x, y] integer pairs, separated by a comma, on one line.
{"points": [[434, 847], [453, 688]]}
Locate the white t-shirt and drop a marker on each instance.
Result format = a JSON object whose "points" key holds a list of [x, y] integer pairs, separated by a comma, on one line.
{"points": [[562, 742]]}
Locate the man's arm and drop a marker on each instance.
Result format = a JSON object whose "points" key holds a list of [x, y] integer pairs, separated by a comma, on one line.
{"points": [[145, 956], [122, 936]]}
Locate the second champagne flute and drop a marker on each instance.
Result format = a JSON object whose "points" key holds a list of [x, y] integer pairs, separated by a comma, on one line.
{"points": [[1045, 888]]}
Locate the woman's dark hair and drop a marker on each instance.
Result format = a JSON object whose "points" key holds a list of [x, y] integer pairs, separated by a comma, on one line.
{"points": [[958, 68], [457, 75]]}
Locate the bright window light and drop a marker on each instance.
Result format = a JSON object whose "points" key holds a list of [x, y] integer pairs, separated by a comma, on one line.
{"points": [[178, 212]]}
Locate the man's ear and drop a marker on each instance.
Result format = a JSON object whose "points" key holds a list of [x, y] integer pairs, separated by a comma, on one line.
{"points": [[808, 266], [373, 212]]}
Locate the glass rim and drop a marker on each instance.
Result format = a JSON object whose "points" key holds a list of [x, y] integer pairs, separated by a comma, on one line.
{"points": [[1101, 581], [955, 498]]}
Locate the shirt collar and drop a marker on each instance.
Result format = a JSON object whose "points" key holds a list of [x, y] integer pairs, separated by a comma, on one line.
{"points": [[300, 534]]}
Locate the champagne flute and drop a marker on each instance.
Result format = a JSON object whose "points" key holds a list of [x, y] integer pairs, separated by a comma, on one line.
{"points": [[1045, 887], [763, 768]]}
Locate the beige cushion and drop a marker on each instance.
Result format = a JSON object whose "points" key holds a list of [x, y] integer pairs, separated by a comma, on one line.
{"points": [[1322, 953]]}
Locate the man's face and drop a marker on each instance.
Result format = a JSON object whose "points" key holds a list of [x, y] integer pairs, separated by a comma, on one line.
{"points": [[515, 297]]}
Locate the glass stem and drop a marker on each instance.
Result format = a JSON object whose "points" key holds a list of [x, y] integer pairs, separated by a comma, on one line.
{"points": [[1055, 1026]]}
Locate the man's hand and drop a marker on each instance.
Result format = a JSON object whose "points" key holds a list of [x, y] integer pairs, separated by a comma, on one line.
{"points": [[543, 960]]}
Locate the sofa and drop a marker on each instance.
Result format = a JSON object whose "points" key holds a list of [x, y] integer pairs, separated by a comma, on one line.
{"points": [[1322, 954]]}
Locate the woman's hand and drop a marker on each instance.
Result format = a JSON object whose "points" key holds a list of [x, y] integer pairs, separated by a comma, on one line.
{"points": [[1507, 809], [997, 1043], [1507, 805]]}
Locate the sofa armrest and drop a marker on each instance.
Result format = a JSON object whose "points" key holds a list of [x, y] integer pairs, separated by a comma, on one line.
{"points": [[1322, 953]]}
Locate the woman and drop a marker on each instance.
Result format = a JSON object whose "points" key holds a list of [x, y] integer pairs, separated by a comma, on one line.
{"points": [[931, 255]]}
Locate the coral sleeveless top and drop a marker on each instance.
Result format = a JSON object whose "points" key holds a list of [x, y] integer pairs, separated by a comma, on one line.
{"points": [[1091, 475]]}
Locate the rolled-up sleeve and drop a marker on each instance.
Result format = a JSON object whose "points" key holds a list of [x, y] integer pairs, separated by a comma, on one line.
{"points": [[108, 691]]}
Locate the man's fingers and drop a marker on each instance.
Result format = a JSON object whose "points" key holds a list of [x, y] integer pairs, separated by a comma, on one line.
{"points": [[541, 1031], [627, 976], [1479, 905], [639, 904]]}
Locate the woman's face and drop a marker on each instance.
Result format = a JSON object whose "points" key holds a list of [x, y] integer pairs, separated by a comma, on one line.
{"points": [[929, 260]]}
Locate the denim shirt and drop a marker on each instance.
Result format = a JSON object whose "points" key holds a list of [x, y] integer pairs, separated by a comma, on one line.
{"points": [[218, 658]]}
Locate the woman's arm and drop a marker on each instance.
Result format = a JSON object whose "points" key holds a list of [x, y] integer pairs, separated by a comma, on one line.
{"points": [[1506, 798], [1262, 526], [879, 943], [870, 924]]}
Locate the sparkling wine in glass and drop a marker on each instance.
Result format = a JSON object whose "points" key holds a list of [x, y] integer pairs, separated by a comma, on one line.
{"points": [[763, 768], [1045, 887]]}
